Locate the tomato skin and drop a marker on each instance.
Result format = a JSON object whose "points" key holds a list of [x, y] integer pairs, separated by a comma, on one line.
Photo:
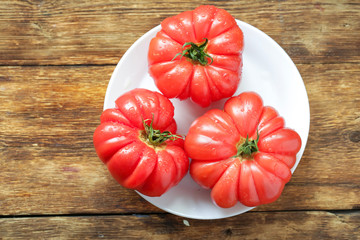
{"points": [[213, 141], [215, 133], [184, 78], [132, 161]]}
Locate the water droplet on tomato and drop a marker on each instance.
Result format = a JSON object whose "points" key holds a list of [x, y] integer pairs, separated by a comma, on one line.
{"points": [[152, 101]]}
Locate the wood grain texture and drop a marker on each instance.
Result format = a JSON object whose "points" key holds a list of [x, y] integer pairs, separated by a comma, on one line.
{"points": [[49, 165], [277, 225], [65, 32], [56, 59]]}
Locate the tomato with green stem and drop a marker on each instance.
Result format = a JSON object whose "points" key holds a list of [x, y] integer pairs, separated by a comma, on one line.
{"points": [[198, 55], [243, 153], [138, 143]]}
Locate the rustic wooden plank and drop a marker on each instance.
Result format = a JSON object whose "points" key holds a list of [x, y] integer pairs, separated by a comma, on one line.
{"points": [[36, 182], [253, 225], [62, 99], [63, 183], [47, 158], [48, 164], [99, 32]]}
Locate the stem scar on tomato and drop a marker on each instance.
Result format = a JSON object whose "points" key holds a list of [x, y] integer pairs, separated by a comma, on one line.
{"points": [[154, 137], [246, 148], [196, 53]]}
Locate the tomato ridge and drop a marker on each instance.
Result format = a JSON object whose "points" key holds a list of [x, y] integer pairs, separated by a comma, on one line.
{"points": [[178, 170], [211, 82], [256, 186], [104, 145], [217, 69], [171, 37], [126, 180], [222, 174], [145, 184], [218, 11]]}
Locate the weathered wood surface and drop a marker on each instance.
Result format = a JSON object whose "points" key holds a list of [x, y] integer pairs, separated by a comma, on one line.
{"points": [[49, 165], [253, 225], [56, 60], [99, 32]]}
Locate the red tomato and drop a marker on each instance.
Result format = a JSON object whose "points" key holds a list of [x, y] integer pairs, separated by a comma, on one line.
{"points": [[198, 55], [135, 141], [243, 153]]}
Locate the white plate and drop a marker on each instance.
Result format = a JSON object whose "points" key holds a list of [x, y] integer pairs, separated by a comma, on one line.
{"points": [[267, 70]]}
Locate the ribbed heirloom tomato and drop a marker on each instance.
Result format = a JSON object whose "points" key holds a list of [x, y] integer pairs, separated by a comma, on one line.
{"points": [[243, 153], [137, 143], [198, 55]]}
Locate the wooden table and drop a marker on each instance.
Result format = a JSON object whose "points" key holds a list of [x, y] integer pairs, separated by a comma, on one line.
{"points": [[56, 60]]}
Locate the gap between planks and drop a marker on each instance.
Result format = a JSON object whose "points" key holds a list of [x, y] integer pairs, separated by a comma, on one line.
{"points": [[333, 211]]}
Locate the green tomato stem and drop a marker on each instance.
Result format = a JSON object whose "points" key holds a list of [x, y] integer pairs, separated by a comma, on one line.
{"points": [[154, 136], [196, 53], [247, 148]]}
